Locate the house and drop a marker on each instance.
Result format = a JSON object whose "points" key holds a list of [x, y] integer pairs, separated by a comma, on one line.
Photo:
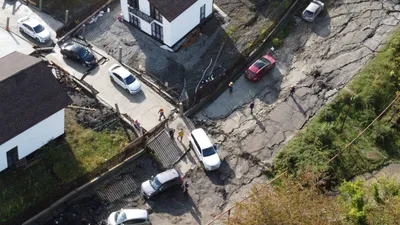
{"points": [[166, 20], [32, 106]]}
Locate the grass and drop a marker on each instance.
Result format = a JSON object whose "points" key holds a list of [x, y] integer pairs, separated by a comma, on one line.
{"points": [[80, 151], [366, 96]]}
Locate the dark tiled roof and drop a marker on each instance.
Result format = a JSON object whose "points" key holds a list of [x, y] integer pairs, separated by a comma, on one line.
{"points": [[29, 93], [171, 9]]}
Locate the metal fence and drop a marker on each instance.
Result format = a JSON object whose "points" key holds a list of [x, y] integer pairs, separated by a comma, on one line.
{"points": [[82, 16], [131, 149]]}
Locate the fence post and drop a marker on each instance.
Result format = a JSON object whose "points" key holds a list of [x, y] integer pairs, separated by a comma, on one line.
{"points": [[8, 24], [120, 54], [66, 16], [40, 4], [83, 31], [181, 109], [229, 215]]}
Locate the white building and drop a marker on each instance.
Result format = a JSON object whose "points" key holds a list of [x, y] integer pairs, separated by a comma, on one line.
{"points": [[166, 20], [32, 106]]}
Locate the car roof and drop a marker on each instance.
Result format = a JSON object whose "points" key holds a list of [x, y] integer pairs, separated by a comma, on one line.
{"points": [[313, 6], [202, 138], [168, 175], [135, 214], [72, 46], [31, 22], [124, 73]]}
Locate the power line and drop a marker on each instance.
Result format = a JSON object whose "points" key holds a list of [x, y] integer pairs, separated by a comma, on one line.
{"points": [[329, 161]]}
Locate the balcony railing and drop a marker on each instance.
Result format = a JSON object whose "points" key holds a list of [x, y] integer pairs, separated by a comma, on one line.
{"points": [[140, 14]]}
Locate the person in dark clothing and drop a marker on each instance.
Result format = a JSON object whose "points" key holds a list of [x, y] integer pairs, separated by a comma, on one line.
{"points": [[292, 90], [251, 107], [185, 187], [171, 133]]}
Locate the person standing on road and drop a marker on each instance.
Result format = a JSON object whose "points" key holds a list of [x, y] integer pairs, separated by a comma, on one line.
{"points": [[230, 87], [251, 107], [292, 90], [136, 124], [161, 113], [180, 134], [171, 132]]}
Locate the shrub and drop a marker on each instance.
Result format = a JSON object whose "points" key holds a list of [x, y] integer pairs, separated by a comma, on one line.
{"points": [[276, 42]]}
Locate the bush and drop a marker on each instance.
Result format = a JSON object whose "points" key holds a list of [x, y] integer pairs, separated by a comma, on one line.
{"points": [[276, 42]]}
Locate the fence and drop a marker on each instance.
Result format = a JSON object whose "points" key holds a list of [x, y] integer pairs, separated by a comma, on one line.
{"points": [[216, 87], [131, 149], [81, 17]]}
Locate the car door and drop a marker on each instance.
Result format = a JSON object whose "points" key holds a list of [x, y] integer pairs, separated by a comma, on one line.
{"points": [[28, 30], [197, 149], [119, 80]]}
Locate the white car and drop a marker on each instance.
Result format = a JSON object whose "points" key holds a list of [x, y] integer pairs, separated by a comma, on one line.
{"points": [[129, 217], [34, 29], [312, 10], [124, 78], [205, 151]]}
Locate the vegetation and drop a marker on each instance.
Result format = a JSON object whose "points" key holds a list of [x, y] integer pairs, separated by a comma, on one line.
{"points": [[356, 106], [291, 203], [79, 152]]}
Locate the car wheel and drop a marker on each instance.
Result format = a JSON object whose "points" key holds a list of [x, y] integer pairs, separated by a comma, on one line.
{"points": [[37, 39], [127, 90], [83, 64]]}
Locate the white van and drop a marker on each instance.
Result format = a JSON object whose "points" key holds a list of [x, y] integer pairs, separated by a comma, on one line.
{"points": [[205, 151]]}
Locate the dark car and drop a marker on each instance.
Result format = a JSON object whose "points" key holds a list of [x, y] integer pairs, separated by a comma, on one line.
{"points": [[78, 53], [260, 67]]}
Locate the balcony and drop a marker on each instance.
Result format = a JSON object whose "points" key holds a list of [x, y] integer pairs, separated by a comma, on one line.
{"points": [[140, 14]]}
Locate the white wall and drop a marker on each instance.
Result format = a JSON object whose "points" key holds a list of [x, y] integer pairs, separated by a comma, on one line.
{"points": [[33, 138], [124, 9], [144, 6], [188, 20]]}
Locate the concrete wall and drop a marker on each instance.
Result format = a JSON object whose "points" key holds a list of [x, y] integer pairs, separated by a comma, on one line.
{"points": [[188, 20], [33, 138]]}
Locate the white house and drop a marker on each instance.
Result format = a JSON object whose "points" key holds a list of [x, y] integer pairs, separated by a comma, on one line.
{"points": [[166, 20], [32, 106]]}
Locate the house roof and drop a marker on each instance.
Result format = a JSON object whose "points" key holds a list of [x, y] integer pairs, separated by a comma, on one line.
{"points": [[29, 93], [171, 9]]}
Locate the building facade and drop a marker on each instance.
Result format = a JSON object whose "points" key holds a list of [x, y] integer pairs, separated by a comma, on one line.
{"points": [[166, 20]]}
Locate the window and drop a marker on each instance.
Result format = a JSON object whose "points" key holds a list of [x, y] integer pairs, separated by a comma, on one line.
{"points": [[134, 3], [155, 14], [157, 31], [12, 157], [203, 12], [135, 21]]}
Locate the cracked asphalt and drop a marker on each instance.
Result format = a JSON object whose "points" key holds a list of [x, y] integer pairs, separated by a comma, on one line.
{"points": [[320, 59]]}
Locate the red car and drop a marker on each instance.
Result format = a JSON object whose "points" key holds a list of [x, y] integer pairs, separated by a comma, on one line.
{"points": [[260, 67]]}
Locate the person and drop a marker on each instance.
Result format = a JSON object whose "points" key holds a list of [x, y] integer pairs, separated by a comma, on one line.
{"points": [[161, 113], [251, 107], [180, 134], [136, 124], [171, 133], [185, 187], [292, 89], [230, 87]]}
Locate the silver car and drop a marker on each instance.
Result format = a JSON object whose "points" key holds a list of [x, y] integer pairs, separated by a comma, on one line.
{"points": [[312, 11], [129, 217], [161, 182]]}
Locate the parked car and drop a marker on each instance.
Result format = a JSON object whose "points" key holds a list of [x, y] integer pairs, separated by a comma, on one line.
{"points": [[260, 67], [79, 53], [124, 78], [129, 217], [161, 182], [205, 151], [312, 10], [33, 29]]}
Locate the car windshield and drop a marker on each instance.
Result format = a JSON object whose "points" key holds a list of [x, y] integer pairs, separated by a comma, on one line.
{"points": [[308, 13], [39, 28], [155, 183], [208, 151], [120, 217], [130, 79], [82, 52]]}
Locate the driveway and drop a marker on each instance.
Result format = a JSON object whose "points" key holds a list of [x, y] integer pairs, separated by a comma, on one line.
{"points": [[16, 10]]}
